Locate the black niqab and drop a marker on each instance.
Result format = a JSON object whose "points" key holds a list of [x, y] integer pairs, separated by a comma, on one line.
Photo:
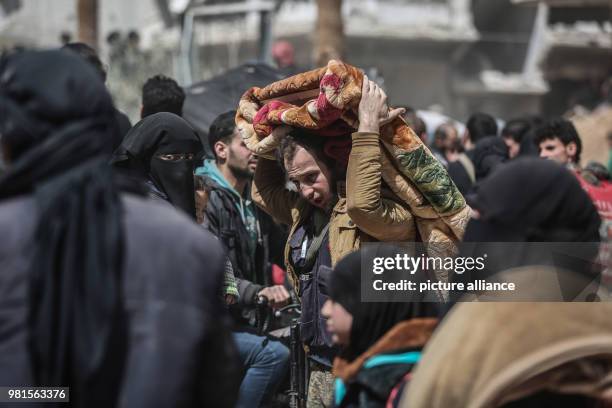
{"points": [[57, 119], [163, 134], [371, 320]]}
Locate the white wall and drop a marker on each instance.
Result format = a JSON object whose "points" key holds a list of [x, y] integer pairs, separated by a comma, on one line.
{"points": [[40, 22]]}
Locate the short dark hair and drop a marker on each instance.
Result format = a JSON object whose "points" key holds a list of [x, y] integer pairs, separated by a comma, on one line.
{"points": [[221, 130], [562, 129], [133, 35], [162, 94], [441, 132], [114, 37], [88, 54], [315, 144], [481, 125], [516, 129], [457, 146]]}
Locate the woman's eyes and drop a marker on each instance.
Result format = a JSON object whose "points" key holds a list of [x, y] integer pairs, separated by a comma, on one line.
{"points": [[176, 157]]}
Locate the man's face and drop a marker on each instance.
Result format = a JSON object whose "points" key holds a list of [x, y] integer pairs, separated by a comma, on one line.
{"points": [[311, 178], [451, 136], [554, 149], [240, 159], [513, 147], [339, 322]]}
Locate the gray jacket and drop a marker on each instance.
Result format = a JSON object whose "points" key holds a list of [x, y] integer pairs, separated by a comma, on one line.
{"points": [[179, 349]]}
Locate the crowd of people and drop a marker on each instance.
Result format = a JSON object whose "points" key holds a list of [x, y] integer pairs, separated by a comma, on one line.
{"points": [[133, 266]]}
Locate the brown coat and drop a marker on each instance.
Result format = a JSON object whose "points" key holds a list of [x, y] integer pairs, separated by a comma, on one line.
{"points": [[484, 355], [364, 212], [414, 333]]}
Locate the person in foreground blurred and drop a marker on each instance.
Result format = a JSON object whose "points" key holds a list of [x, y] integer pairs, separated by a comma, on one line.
{"points": [[91, 56], [523, 354], [380, 341], [90, 293], [517, 355]]}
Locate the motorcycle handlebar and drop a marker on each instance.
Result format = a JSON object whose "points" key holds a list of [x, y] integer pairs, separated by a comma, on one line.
{"points": [[293, 306]]}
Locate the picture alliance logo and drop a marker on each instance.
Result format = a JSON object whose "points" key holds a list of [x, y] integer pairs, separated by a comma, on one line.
{"points": [[411, 264]]}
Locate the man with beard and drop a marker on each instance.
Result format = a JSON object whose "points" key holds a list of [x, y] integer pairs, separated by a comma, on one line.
{"points": [[247, 235]]}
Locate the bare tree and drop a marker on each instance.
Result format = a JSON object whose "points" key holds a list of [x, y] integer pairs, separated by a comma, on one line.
{"points": [[87, 11], [329, 35]]}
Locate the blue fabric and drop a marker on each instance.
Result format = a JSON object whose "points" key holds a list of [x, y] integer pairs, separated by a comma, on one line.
{"points": [[209, 169], [339, 391], [411, 357], [266, 362]]}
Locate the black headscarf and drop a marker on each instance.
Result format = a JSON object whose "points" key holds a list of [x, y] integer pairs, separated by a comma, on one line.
{"points": [[57, 119], [531, 199], [488, 154], [371, 320], [526, 202], [160, 134]]}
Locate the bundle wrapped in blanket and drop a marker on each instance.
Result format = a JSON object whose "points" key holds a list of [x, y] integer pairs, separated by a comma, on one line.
{"points": [[326, 101]]}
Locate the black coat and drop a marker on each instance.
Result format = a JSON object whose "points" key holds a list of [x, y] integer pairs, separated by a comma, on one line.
{"points": [[177, 344], [223, 219]]}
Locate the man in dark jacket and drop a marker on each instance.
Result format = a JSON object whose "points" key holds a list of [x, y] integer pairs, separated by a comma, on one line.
{"points": [[249, 237], [101, 290]]}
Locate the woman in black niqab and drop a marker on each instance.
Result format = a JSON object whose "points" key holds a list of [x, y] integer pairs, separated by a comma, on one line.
{"points": [[162, 149], [57, 123]]}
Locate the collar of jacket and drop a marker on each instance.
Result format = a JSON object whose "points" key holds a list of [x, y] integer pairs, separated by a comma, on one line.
{"points": [[412, 333], [210, 171]]}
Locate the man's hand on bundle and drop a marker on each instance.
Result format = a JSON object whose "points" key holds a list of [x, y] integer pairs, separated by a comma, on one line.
{"points": [[373, 110]]}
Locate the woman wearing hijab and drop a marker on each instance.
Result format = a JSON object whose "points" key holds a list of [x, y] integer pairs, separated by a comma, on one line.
{"points": [[523, 354], [517, 355], [90, 296], [380, 341], [540, 211], [162, 149]]}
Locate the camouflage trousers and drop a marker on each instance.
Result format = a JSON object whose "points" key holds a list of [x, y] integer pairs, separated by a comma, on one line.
{"points": [[320, 387]]}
